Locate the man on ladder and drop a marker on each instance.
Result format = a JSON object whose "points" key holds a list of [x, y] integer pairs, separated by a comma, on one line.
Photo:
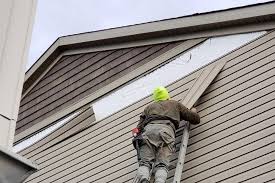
{"points": [[155, 135]]}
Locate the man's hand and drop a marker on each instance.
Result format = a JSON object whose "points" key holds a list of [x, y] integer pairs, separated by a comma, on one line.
{"points": [[194, 110]]}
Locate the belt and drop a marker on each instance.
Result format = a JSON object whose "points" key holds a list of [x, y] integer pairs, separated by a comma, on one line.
{"points": [[166, 122]]}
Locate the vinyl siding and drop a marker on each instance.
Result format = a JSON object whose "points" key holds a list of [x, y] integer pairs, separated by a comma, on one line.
{"points": [[76, 76], [81, 121], [233, 143]]}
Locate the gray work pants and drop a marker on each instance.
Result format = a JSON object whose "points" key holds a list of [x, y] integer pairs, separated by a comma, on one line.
{"points": [[158, 146]]}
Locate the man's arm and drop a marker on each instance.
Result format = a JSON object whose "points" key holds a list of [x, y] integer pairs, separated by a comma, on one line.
{"points": [[189, 115]]}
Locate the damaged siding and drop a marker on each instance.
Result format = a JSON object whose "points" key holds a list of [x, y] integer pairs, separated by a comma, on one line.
{"points": [[76, 76]]}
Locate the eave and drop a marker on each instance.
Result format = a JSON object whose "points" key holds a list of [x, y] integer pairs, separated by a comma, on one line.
{"points": [[234, 17]]}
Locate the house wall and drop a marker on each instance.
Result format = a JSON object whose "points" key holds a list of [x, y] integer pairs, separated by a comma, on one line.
{"points": [[16, 20], [76, 76], [233, 143]]}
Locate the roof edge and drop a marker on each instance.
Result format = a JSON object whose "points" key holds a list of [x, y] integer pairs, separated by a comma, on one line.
{"points": [[145, 30]]}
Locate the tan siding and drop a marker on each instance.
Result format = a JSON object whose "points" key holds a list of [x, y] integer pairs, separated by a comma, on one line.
{"points": [[80, 121], [84, 75], [93, 145], [234, 142]]}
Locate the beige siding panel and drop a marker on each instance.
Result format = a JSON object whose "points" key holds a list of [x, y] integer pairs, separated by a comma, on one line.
{"points": [[264, 177], [213, 118], [208, 137], [76, 70], [80, 84], [120, 160], [133, 159], [124, 114], [82, 120], [215, 161], [262, 163], [235, 137], [97, 146]]}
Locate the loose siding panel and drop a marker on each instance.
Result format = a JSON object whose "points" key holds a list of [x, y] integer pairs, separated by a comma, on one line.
{"points": [[75, 77], [233, 143]]}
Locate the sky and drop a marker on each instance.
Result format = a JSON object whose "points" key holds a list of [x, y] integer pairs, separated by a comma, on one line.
{"points": [[55, 18]]}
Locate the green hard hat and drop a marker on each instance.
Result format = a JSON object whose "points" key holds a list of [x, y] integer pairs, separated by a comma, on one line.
{"points": [[160, 93]]}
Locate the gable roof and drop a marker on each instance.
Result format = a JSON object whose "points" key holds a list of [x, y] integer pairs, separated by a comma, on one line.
{"points": [[234, 17], [235, 20]]}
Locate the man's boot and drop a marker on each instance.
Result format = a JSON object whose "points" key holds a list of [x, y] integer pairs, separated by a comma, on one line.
{"points": [[161, 175], [143, 174]]}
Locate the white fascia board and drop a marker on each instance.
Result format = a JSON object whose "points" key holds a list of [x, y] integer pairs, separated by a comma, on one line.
{"points": [[175, 23], [40, 61]]}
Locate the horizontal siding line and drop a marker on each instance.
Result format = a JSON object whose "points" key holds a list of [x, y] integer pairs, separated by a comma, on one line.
{"points": [[247, 115], [268, 162], [206, 125], [30, 92], [232, 132], [232, 142], [89, 140], [258, 176], [104, 169], [75, 89], [243, 60], [237, 138], [80, 149], [36, 95], [196, 175], [37, 147], [240, 92], [234, 146], [73, 165], [81, 155], [237, 166], [46, 80], [98, 127], [241, 105], [232, 78], [72, 58], [100, 124], [76, 73], [232, 159], [270, 180], [247, 88], [215, 156], [110, 174], [62, 64]]}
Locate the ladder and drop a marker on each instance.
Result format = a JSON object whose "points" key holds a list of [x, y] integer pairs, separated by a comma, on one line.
{"points": [[202, 82]]}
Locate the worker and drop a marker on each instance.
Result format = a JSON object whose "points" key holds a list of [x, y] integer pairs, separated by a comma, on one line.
{"points": [[157, 126]]}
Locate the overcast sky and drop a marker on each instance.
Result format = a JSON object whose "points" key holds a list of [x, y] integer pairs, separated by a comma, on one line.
{"points": [[55, 18]]}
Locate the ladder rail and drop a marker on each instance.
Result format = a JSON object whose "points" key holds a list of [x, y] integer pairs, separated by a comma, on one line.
{"points": [[202, 82]]}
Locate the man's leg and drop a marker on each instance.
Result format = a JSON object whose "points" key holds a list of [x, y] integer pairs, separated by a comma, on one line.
{"points": [[162, 163], [164, 155], [145, 164]]}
